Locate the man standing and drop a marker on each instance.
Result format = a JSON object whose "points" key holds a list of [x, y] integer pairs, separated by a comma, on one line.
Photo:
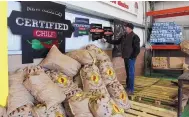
{"points": [[130, 47]]}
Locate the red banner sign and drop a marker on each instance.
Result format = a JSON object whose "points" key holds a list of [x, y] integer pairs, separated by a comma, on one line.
{"points": [[45, 34], [108, 33], [96, 30], [122, 4]]}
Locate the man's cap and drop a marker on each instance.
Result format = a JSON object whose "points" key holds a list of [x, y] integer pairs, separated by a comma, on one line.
{"points": [[130, 25]]}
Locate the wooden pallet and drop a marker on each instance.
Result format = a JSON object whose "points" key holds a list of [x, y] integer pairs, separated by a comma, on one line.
{"points": [[141, 82], [144, 110], [158, 95], [137, 89], [166, 83]]}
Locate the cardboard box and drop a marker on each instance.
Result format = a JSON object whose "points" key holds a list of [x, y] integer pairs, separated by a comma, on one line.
{"points": [[159, 62], [176, 62]]}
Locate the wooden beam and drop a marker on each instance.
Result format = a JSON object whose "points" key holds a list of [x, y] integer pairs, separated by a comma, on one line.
{"points": [[166, 47], [168, 11], [172, 15]]}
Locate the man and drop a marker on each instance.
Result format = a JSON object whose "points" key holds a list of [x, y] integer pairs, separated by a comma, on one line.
{"points": [[130, 47]]}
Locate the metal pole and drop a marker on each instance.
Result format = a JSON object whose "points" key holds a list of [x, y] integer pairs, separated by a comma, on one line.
{"points": [[146, 24], [145, 37], [179, 111]]}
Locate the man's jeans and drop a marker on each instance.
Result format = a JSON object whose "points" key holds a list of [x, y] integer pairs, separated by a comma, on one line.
{"points": [[130, 70]]}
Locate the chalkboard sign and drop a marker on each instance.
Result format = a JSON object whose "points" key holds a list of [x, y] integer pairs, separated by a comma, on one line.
{"points": [[81, 26], [108, 33], [119, 30], [41, 26], [96, 31]]}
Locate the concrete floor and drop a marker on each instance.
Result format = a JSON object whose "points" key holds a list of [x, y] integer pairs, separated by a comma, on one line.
{"points": [[186, 111]]}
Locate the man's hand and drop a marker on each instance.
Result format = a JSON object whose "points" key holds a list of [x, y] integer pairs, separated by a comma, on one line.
{"points": [[104, 40]]}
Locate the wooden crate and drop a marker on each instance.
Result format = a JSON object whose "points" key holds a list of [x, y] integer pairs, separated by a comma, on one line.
{"points": [[158, 95], [144, 110]]}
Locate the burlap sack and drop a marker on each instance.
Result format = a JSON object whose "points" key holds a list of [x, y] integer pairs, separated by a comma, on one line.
{"points": [[44, 89], [55, 60], [77, 80], [67, 109], [63, 81], [3, 112], [107, 72], [32, 70], [78, 106], [18, 94], [102, 106], [23, 111], [84, 57], [185, 46], [92, 81], [66, 83], [55, 111], [119, 95], [100, 55], [185, 67], [16, 77]]}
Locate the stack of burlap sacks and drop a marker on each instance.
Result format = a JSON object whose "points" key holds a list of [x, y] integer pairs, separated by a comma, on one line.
{"points": [[49, 90], [185, 48]]}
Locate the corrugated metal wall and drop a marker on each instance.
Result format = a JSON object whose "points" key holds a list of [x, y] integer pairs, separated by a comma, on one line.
{"points": [[181, 20], [186, 33]]}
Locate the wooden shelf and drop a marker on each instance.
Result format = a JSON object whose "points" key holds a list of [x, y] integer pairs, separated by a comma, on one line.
{"points": [[166, 47], [167, 69], [173, 12], [180, 11]]}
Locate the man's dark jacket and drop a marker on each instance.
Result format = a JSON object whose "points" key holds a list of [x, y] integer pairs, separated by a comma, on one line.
{"points": [[130, 45]]}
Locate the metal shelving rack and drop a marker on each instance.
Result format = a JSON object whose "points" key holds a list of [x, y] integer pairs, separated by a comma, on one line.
{"points": [[174, 12]]}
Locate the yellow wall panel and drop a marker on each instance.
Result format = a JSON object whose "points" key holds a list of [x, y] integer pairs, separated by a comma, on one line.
{"points": [[3, 54]]}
